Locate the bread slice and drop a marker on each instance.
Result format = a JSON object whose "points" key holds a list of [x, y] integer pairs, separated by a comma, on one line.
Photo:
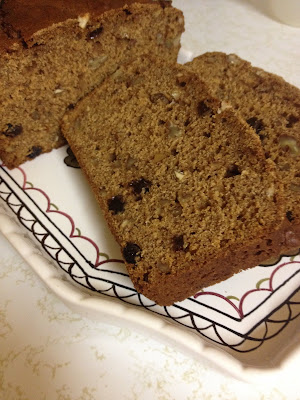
{"points": [[184, 186], [271, 107], [54, 52]]}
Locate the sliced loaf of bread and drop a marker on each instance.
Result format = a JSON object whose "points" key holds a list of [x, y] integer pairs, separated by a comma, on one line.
{"points": [[271, 106], [54, 52], [184, 186]]}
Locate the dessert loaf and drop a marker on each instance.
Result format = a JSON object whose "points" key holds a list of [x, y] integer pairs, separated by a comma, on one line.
{"points": [[54, 52], [271, 107], [189, 204]]}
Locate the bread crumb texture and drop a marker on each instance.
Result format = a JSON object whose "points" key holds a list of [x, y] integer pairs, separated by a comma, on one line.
{"points": [[54, 54], [183, 183], [270, 106]]}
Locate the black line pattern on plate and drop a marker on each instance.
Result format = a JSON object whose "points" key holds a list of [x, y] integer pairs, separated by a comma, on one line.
{"points": [[269, 326]]}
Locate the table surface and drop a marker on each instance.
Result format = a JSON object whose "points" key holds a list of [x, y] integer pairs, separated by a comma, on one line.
{"points": [[49, 352]]}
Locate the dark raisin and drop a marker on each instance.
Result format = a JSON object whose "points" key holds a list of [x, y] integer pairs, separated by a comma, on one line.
{"points": [[206, 134], [203, 109], [178, 243], [71, 106], [164, 3], [292, 119], [34, 152], [116, 204], [146, 277], [24, 44], [13, 130], [256, 124], [95, 33], [71, 160], [140, 186], [289, 216], [182, 84], [132, 253], [233, 170], [127, 12]]}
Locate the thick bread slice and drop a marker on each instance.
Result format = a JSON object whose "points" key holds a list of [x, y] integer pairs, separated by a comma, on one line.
{"points": [[271, 107], [52, 53], [184, 186]]}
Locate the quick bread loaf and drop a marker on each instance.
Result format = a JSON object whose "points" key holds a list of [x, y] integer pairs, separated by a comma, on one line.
{"points": [[271, 106], [183, 184], [54, 52]]}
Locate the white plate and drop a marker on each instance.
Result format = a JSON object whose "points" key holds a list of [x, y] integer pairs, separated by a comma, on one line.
{"points": [[60, 231], [50, 216]]}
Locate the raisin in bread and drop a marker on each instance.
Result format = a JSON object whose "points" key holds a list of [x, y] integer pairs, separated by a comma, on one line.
{"points": [[271, 107], [189, 204], [54, 52]]}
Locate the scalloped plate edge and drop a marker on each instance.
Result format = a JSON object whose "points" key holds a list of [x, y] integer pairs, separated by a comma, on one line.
{"points": [[110, 311]]}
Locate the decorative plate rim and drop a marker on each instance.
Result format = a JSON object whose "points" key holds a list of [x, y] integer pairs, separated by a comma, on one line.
{"points": [[97, 307], [108, 311]]}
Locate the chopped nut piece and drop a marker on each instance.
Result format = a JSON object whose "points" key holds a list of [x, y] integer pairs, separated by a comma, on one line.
{"points": [[159, 38], [174, 131], [175, 94], [224, 106], [159, 97], [260, 73], [83, 20], [172, 42], [130, 162], [284, 167], [179, 175], [95, 63], [57, 91], [270, 191], [176, 40], [233, 59], [117, 75], [125, 223], [177, 210], [294, 187], [163, 267], [291, 143]]}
